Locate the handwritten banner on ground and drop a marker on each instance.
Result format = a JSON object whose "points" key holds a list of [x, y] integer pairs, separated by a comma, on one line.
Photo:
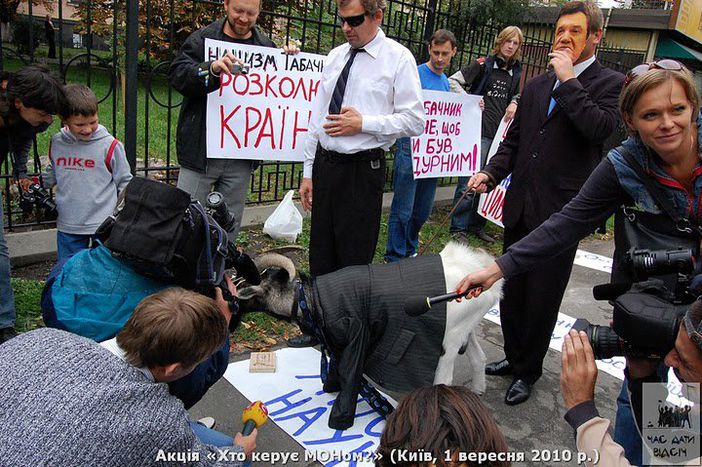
{"points": [[491, 204], [450, 145], [298, 405], [264, 114]]}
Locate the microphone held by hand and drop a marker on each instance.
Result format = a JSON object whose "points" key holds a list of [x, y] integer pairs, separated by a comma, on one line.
{"points": [[254, 416], [418, 305]]}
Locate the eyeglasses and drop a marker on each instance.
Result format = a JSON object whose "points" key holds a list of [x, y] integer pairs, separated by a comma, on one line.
{"points": [[352, 21], [639, 70]]}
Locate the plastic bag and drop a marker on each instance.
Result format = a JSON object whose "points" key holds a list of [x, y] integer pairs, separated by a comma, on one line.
{"points": [[285, 223]]}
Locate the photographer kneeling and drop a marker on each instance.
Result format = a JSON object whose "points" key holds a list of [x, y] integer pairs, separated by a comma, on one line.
{"points": [[653, 184], [579, 374], [71, 401]]}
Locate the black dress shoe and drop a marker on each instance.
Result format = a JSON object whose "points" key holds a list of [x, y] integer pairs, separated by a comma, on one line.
{"points": [[518, 392], [500, 368], [303, 340], [482, 235]]}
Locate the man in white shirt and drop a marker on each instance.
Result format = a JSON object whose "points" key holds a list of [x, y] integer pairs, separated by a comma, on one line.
{"points": [[369, 96]]}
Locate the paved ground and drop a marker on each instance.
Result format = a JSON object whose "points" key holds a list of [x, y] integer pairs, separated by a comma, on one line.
{"points": [[535, 425]]}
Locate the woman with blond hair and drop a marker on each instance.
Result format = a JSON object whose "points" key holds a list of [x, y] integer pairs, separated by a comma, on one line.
{"points": [[652, 183], [496, 78]]}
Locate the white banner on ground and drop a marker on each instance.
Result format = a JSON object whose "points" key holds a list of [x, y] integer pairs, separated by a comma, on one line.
{"points": [[491, 204], [296, 403], [613, 366], [263, 114], [450, 145]]}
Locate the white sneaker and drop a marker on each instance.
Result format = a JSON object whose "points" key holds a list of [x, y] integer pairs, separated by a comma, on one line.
{"points": [[208, 422]]}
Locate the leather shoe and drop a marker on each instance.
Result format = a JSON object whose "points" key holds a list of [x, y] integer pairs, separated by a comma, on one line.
{"points": [[518, 392], [303, 340], [500, 368], [482, 235]]}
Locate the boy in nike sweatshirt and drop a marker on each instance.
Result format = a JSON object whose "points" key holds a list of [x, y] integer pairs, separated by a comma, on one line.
{"points": [[89, 168]]}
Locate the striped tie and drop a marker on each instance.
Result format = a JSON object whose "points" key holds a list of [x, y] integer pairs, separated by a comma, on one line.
{"points": [[338, 96]]}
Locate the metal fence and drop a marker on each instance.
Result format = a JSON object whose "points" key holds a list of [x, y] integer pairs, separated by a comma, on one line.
{"points": [[125, 61]]}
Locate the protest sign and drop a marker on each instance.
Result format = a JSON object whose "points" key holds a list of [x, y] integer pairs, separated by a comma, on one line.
{"points": [[450, 145], [491, 204], [264, 114], [297, 403]]}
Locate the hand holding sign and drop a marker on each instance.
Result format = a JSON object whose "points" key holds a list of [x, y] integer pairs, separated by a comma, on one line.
{"points": [[347, 123]]}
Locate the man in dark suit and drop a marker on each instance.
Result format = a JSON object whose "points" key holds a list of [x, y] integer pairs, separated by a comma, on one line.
{"points": [[553, 145]]}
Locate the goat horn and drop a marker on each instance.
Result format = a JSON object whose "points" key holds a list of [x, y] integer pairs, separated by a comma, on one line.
{"points": [[274, 260]]}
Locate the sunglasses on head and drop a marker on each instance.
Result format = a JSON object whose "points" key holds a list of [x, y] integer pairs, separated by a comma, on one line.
{"points": [[639, 70], [352, 21]]}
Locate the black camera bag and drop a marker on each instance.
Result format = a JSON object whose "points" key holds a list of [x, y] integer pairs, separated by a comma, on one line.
{"points": [[165, 235]]}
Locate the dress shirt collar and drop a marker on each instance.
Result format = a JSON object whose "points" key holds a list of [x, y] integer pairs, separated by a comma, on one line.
{"points": [[582, 66], [373, 47], [113, 346]]}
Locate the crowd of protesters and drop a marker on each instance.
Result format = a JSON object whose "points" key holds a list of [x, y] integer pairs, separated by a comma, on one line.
{"points": [[369, 101]]}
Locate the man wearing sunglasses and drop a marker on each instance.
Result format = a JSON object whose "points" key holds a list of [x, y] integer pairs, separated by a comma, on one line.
{"points": [[554, 143], [369, 96]]}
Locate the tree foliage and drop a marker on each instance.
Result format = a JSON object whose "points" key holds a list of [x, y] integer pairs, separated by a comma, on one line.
{"points": [[8, 8], [163, 24]]}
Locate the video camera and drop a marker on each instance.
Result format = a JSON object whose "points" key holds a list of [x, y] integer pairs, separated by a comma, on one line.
{"points": [[244, 265], [39, 197], [647, 313]]}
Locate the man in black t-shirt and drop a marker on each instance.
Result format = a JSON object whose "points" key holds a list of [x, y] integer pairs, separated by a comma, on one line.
{"points": [[496, 78]]}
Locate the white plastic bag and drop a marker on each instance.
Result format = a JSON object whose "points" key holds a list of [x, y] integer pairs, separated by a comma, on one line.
{"points": [[285, 223]]}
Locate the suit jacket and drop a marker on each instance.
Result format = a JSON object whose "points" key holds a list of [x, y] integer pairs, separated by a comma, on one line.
{"points": [[365, 325], [551, 156]]}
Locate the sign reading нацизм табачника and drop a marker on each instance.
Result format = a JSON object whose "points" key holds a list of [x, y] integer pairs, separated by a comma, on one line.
{"points": [[265, 113]]}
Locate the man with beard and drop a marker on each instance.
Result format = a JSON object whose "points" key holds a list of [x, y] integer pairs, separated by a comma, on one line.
{"points": [[194, 78], [553, 145]]}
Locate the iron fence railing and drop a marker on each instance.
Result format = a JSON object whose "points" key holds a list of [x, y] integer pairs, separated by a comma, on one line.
{"points": [[139, 107]]}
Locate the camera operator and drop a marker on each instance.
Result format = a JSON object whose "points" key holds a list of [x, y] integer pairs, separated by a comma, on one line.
{"points": [[29, 99], [70, 401], [660, 106], [579, 374]]}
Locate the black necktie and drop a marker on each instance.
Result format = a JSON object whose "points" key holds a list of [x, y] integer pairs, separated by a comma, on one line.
{"points": [[338, 96]]}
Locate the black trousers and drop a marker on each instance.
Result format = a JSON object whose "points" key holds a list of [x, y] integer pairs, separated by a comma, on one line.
{"points": [[347, 199], [529, 308]]}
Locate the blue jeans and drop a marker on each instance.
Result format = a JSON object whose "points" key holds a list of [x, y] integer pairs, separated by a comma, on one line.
{"points": [[210, 436], [465, 218], [626, 433], [7, 299], [411, 205], [70, 244]]}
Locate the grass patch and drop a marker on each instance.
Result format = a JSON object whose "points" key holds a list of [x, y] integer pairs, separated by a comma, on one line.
{"points": [[27, 298]]}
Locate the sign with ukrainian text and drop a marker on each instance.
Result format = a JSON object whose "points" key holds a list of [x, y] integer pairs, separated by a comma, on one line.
{"points": [[491, 204], [297, 403], [263, 114], [450, 145]]}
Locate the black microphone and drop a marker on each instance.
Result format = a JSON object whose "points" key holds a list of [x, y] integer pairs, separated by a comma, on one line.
{"points": [[610, 291], [417, 305]]}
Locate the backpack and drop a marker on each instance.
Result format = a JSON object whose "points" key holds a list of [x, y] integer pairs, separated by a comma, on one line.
{"points": [[165, 235]]}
